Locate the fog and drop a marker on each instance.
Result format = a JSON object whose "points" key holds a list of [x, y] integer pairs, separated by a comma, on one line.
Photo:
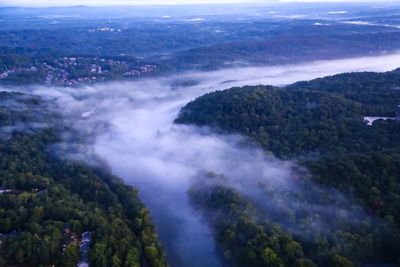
{"points": [[130, 126]]}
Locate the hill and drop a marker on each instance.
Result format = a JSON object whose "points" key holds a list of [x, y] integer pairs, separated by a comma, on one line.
{"points": [[48, 202], [321, 124]]}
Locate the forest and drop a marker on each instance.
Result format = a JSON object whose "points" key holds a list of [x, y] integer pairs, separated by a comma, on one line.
{"points": [[47, 202], [101, 73], [320, 124]]}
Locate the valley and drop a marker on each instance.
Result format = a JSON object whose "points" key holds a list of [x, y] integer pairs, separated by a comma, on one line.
{"points": [[263, 135]]}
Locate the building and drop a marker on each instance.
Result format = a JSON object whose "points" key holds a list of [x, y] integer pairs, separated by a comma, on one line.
{"points": [[84, 248]]}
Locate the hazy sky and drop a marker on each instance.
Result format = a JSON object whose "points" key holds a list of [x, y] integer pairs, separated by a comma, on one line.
{"points": [[147, 2]]}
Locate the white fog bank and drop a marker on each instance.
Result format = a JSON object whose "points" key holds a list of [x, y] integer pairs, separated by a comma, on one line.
{"points": [[143, 146]]}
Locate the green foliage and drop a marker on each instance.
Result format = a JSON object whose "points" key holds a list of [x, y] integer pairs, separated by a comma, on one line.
{"points": [[53, 200], [321, 123], [379, 91], [296, 121], [244, 240], [373, 178], [270, 258], [70, 256], [304, 263], [339, 261], [248, 235]]}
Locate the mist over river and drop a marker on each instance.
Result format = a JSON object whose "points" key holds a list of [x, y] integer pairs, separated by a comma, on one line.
{"points": [[131, 125]]}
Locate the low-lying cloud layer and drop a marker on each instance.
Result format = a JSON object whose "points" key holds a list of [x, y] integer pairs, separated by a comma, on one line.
{"points": [[131, 128]]}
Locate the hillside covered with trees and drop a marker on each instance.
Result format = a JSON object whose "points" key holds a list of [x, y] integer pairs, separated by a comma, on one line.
{"points": [[46, 203], [320, 124]]}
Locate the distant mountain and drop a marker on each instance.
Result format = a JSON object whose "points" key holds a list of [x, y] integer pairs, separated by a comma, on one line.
{"points": [[183, 38]]}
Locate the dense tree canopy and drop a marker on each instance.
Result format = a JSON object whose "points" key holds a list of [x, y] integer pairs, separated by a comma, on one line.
{"points": [[50, 202], [303, 122], [321, 124]]}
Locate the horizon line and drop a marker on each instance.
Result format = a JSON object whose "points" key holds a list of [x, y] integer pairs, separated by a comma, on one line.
{"points": [[255, 2]]}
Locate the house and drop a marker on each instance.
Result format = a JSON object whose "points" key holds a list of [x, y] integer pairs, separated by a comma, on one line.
{"points": [[86, 237], [83, 264], [371, 120], [84, 248]]}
